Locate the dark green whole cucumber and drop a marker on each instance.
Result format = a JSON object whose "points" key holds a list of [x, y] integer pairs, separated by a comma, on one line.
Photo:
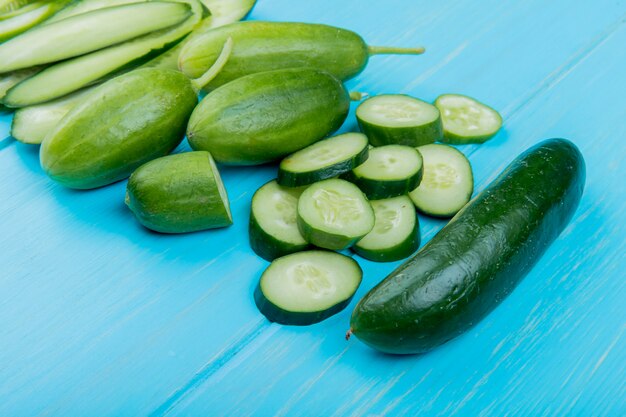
{"points": [[263, 117], [266, 46], [475, 261]]}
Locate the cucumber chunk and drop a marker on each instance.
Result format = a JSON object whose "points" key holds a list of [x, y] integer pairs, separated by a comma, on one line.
{"points": [[399, 119], [334, 214], [396, 232], [466, 120], [307, 287], [68, 38], [390, 171], [322, 160], [273, 225], [447, 184]]}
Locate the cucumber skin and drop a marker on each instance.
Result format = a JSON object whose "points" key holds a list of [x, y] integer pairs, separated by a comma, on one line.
{"points": [[267, 246], [122, 124], [263, 117], [297, 179], [177, 194], [402, 250], [267, 46], [475, 261], [378, 189]]}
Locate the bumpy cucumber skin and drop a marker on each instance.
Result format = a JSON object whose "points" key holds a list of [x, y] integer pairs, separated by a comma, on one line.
{"points": [[454, 139], [266, 245], [379, 135], [475, 261], [122, 124], [276, 314], [296, 179], [263, 117], [267, 46], [177, 194], [376, 189]]}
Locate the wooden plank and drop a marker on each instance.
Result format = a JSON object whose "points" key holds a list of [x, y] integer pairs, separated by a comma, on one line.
{"points": [[106, 317]]}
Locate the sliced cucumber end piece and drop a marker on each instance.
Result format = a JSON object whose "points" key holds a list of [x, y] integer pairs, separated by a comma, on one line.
{"points": [[447, 184], [220, 187], [466, 120], [307, 287]]}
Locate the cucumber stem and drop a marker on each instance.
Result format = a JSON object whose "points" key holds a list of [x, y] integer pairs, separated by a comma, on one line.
{"points": [[211, 73], [380, 50], [357, 95]]}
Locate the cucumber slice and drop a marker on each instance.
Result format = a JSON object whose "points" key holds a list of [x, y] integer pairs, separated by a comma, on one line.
{"points": [[71, 75], [396, 232], [31, 124], [224, 12], [466, 120], [334, 214], [307, 287], [85, 6], [273, 226], [390, 171], [16, 25], [448, 182], [10, 79], [399, 119], [325, 159]]}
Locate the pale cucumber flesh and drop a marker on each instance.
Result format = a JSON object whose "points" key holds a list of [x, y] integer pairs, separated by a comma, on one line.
{"points": [[275, 209], [325, 153], [390, 162], [395, 221], [464, 117], [396, 110]]}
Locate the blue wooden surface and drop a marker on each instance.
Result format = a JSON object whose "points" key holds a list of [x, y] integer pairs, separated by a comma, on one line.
{"points": [[101, 317]]}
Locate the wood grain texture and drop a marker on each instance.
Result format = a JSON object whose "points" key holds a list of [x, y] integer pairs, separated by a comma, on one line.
{"points": [[101, 317]]}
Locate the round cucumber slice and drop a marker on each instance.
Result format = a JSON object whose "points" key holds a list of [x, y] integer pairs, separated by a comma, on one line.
{"points": [[396, 232], [273, 228], [390, 171], [399, 119], [466, 120], [334, 214], [322, 160], [447, 184], [307, 287]]}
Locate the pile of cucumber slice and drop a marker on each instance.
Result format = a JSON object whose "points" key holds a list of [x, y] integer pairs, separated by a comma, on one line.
{"points": [[361, 191]]}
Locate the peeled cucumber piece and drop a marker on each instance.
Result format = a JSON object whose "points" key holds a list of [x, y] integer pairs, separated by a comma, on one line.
{"points": [[71, 75], [88, 32], [10, 79], [85, 6], [16, 25], [179, 194]]}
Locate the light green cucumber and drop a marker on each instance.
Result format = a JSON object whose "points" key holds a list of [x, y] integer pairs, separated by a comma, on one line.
{"points": [[273, 229], [262, 117], [396, 232], [466, 120], [399, 119], [10, 79], [179, 194], [73, 74], [12, 27], [265, 46], [78, 7], [9, 6], [68, 38]]}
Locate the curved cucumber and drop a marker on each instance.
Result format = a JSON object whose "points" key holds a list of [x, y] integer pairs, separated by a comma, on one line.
{"points": [[396, 232], [68, 38], [267, 46], [334, 214], [390, 171], [73, 74], [399, 119], [324, 159], [448, 182], [263, 117], [476, 260], [307, 287], [466, 120], [178, 194], [122, 124], [273, 227]]}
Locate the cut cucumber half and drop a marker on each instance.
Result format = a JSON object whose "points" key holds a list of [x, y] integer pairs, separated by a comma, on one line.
{"points": [[273, 226], [396, 232], [85, 6], [16, 25], [322, 160], [447, 184], [399, 119], [71, 75], [390, 171], [307, 287], [68, 38], [10, 79], [334, 214], [224, 12], [466, 120]]}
